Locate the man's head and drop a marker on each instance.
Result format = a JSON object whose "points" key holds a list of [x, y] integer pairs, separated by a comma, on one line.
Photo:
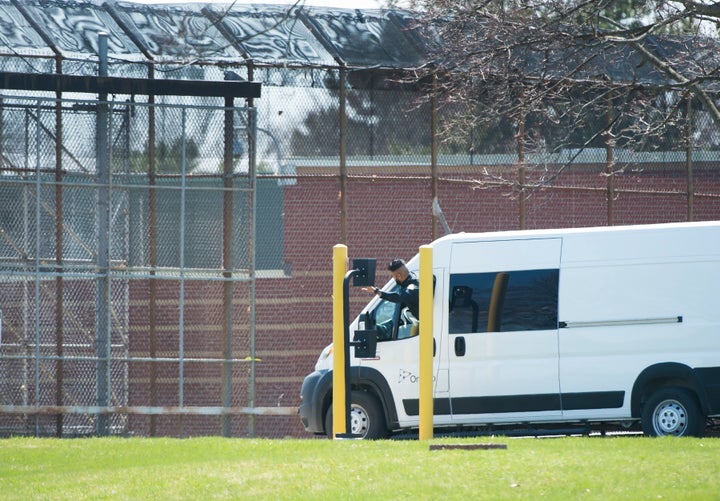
{"points": [[398, 270]]}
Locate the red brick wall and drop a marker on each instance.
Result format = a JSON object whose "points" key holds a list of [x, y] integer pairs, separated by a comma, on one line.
{"points": [[387, 218], [390, 218]]}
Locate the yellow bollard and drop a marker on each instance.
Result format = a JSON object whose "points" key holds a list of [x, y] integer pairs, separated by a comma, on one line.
{"points": [[426, 343], [338, 379]]}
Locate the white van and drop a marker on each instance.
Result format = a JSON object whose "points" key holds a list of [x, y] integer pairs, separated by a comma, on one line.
{"points": [[548, 328]]}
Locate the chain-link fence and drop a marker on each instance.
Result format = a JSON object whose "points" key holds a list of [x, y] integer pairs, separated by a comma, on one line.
{"points": [[128, 268], [163, 278]]}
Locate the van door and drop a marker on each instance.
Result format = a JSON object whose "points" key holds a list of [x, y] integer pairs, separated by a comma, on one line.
{"points": [[397, 356], [502, 329]]}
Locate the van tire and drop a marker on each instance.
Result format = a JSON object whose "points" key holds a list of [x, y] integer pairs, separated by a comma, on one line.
{"points": [[672, 411], [367, 418]]}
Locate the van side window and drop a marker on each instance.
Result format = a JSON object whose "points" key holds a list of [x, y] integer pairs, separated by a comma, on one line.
{"points": [[523, 300]]}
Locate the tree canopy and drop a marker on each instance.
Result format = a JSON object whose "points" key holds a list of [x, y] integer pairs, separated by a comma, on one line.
{"points": [[573, 73]]}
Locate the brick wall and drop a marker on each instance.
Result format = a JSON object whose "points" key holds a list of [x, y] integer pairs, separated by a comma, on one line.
{"points": [[392, 217], [387, 217]]}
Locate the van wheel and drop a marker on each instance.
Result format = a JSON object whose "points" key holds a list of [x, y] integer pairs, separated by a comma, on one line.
{"points": [[366, 417], [673, 412]]}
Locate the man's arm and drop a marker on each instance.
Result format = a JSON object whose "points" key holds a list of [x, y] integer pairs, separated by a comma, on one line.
{"points": [[393, 297]]}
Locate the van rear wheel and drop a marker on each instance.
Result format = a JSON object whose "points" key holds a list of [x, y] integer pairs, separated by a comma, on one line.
{"points": [[366, 417], [672, 412]]}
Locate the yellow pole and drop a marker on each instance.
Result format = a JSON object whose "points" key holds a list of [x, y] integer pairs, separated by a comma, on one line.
{"points": [[338, 378], [426, 342]]}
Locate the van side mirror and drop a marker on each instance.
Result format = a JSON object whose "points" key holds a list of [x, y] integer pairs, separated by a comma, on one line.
{"points": [[363, 272], [365, 343]]}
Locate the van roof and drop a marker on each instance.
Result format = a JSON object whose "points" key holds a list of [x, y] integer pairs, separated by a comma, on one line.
{"points": [[511, 234]]}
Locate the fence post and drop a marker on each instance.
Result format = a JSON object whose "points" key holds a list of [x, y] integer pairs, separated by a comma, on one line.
{"points": [[181, 300], [252, 236], [103, 247], [609, 165], [38, 249], [59, 284], [227, 260], [152, 252], [689, 161], [521, 170], [343, 156], [521, 188], [433, 156]]}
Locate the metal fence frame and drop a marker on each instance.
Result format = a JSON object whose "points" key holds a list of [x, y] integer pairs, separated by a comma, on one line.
{"points": [[104, 272]]}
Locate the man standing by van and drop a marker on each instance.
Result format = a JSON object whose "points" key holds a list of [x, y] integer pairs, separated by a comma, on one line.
{"points": [[408, 292]]}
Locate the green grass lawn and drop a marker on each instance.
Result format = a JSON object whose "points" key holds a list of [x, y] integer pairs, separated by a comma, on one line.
{"points": [[218, 468]]}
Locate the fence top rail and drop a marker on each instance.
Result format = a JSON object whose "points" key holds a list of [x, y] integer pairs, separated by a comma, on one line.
{"points": [[54, 82]]}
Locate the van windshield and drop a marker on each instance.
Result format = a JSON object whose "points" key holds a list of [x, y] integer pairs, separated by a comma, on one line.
{"points": [[385, 319]]}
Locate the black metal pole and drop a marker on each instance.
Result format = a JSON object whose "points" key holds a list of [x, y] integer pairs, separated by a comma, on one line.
{"points": [[364, 275], [346, 326]]}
